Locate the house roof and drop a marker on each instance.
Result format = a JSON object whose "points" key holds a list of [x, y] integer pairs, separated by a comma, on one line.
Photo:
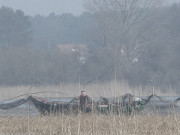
{"points": [[68, 48]]}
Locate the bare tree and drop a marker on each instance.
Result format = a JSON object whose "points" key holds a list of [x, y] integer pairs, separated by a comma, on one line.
{"points": [[118, 21]]}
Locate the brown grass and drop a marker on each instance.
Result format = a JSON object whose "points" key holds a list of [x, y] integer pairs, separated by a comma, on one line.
{"points": [[72, 90], [85, 124]]}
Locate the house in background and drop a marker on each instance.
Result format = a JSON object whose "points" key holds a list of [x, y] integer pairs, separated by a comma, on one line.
{"points": [[81, 49]]}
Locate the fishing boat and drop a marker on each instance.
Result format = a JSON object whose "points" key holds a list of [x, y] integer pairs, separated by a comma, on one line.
{"points": [[124, 104]]}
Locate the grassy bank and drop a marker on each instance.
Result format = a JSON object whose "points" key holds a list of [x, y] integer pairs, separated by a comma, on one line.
{"points": [[72, 90], [92, 124]]}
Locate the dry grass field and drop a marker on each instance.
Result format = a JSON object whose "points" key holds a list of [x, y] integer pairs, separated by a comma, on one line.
{"points": [[73, 90], [91, 124]]}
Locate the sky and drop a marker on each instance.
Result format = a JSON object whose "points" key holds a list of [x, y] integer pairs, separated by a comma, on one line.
{"points": [[45, 7]]}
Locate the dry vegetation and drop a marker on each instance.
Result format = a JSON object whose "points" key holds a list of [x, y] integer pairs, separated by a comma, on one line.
{"points": [[72, 90], [87, 124], [92, 124]]}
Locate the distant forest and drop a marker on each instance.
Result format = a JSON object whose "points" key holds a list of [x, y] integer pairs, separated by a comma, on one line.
{"points": [[143, 52]]}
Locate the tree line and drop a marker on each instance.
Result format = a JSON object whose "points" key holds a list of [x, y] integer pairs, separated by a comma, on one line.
{"points": [[140, 46]]}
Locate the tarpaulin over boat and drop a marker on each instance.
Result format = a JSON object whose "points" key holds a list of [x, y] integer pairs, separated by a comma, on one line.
{"points": [[53, 107], [126, 101]]}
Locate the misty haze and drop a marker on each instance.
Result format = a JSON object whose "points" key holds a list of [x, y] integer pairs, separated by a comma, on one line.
{"points": [[98, 67], [72, 42]]}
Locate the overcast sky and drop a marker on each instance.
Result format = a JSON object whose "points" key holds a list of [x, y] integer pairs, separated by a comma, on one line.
{"points": [[45, 7]]}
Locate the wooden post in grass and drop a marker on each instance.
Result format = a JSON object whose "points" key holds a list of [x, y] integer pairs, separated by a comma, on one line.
{"points": [[115, 70]]}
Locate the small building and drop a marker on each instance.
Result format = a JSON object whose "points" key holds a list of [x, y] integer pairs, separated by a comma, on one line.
{"points": [[81, 49]]}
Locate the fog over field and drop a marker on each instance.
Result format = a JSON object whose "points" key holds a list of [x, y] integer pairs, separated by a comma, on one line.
{"points": [[45, 7], [84, 42], [124, 54]]}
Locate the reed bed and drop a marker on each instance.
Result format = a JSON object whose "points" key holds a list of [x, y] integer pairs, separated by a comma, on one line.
{"points": [[92, 124], [72, 90]]}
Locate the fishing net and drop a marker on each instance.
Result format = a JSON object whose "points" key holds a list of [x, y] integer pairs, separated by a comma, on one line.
{"points": [[13, 104]]}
